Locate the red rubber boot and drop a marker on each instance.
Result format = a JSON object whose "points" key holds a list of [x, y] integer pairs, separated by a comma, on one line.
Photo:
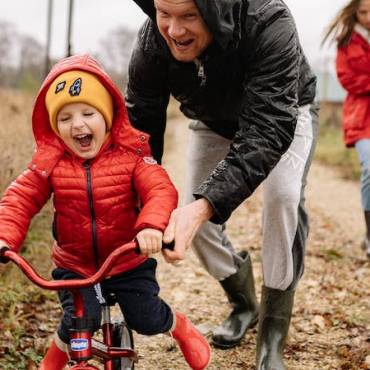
{"points": [[55, 358], [193, 345]]}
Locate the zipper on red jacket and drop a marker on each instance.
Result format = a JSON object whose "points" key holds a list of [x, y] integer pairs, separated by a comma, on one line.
{"points": [[87, 167]]}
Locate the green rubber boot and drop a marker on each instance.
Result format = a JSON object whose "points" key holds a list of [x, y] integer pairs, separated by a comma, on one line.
{"points": [[240, 291], [275, 313]]}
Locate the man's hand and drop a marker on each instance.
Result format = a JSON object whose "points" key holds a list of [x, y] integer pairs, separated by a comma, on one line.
{"points": [[150, 241], [184, 223]]}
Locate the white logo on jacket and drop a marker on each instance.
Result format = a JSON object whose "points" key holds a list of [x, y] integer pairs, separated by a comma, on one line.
{"points": [[149, 160]]}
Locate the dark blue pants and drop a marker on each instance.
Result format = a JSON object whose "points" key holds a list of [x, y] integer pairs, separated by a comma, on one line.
{"points": [[137, 295]]}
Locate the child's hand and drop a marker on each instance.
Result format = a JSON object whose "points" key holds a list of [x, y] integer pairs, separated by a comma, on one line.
{"points": [[150, 241], [3, 248]]}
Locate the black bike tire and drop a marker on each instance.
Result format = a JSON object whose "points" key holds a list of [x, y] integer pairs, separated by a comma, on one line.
{"points": [[123, 337]]}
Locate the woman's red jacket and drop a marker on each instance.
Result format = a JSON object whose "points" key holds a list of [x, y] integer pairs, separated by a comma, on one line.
{"points": [[353, 70]]}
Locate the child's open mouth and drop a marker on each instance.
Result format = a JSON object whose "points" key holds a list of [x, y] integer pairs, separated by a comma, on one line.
{"points": [[83, 140]]}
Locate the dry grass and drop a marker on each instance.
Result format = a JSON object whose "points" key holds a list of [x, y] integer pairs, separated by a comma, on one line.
{"points": [[16, 140], [20, 300]]}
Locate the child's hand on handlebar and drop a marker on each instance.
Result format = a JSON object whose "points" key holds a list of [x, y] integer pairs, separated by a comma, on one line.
{"points": [[150, 241], [3, 247]]}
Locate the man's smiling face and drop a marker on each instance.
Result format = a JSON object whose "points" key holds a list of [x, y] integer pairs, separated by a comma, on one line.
{"points": [[183, 28]]}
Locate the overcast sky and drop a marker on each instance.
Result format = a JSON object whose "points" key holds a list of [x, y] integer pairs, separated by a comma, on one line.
{"points": [[95, 18]]}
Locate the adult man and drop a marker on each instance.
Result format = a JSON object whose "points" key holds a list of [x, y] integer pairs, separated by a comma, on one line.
{"points": [[237, 68]]}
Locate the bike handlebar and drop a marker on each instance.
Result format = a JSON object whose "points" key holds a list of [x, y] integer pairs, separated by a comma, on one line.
{"points": [[30, 272]]}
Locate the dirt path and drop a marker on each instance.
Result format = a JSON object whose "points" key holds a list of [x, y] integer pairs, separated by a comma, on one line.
{"points": [[331, 322]]}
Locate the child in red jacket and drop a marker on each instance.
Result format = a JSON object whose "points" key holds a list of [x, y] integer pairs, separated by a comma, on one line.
{"points": [[97, 167], [352, 30]]}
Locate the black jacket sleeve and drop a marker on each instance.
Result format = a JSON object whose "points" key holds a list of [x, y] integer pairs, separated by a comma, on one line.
{"points": [[267, 118], [147, 94]]}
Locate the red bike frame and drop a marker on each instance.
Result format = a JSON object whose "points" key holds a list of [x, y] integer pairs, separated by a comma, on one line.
{"points": [[83, 347]]}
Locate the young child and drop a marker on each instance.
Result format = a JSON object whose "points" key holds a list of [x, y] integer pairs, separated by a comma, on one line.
{"points": [[97, 167], [352, 30]]}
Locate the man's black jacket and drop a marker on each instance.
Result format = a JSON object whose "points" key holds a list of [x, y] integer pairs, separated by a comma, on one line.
{"points": [[256, 77]]}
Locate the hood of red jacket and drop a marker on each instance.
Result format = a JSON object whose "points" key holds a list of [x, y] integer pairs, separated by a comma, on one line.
{"points": [[49, 147]]}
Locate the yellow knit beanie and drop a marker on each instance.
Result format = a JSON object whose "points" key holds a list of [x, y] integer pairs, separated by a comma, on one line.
{"points": [[78, 87]]}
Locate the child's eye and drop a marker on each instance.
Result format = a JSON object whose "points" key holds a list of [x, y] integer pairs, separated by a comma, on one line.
{"points": [[88, 114], [63, 119]]}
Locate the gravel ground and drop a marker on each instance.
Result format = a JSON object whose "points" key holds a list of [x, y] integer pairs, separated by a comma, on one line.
{"points": [[331, 319]]}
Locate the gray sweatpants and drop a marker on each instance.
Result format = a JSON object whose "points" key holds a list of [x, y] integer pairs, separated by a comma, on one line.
{"points": [[285, 221]]}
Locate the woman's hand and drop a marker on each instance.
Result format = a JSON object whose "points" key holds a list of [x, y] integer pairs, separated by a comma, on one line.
{"points": [[150, 241]]}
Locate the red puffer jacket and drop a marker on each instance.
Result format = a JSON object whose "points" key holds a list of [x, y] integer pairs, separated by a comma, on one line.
{"points": [[353, 70], [95, 201]]}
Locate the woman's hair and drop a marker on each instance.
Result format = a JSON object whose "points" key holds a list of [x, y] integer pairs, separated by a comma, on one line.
{"points": [[343, 24]]}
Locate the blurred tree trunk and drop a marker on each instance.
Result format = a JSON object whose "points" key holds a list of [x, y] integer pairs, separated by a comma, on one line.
{"points": [[114, 53], [30, 71], [7, 36]]}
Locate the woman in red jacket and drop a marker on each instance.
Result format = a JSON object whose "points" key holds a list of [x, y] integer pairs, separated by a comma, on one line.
{"points": [[97, 167], [352, 30]]}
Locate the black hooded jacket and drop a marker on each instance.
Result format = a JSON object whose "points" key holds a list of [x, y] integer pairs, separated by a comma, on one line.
{"points": [[255, 78]]}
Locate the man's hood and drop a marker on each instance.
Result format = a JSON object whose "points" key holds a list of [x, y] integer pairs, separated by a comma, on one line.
{"points": [[222, 17]]}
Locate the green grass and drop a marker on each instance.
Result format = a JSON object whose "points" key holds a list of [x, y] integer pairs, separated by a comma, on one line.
{"points": [[16, 360], [24, 306], [332, 151], [332, 255]]}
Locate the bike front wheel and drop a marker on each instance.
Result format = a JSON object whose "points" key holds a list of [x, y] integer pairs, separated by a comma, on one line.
{"points": [[122, 337]]}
